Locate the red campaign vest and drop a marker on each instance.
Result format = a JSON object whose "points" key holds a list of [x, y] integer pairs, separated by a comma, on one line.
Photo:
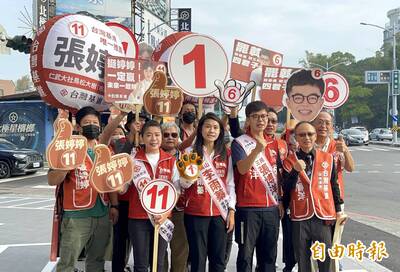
{"points": [[202, 204], [338, 164], [78, 191], [250, 191], [316, 198], [164, 171]]}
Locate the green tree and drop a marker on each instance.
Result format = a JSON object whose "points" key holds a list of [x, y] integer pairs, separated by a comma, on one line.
{"points": [[23, 83]]}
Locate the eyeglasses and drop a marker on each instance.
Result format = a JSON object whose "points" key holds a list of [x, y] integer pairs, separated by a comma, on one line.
{"points": [[272, 121], [323, 122], [304, 134], [311, 98], [259, 116], [173, 135]]}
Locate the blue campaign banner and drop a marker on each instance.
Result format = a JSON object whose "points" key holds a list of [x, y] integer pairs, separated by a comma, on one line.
{"points": [[28, 124]]}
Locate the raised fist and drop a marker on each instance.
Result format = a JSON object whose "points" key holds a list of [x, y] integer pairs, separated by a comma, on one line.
{"points": [[66, 151], [110, 173], [189, 166]]}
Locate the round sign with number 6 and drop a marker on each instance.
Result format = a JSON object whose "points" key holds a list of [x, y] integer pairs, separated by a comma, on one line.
{"points": [[158, 197], [195, 62], [336, 90]]}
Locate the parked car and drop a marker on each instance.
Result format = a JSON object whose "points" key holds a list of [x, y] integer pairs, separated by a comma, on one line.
{"points": [[381, 134], [14, 160], [364, 133], [352, 136]]}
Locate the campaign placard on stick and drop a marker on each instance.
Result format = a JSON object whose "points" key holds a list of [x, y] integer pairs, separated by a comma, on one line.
{"points": [[66, 151], [127, 79], [110, 173], [158, 197], [195, 62], [248, 57], [162, 100], [304, 96], [274, 84], [336, 90], [232, 93], [67, 61]]}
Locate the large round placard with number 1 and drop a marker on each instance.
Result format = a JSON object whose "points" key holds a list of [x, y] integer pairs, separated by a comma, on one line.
{"points": [[336, 90], [195, 62], [158, 197]]}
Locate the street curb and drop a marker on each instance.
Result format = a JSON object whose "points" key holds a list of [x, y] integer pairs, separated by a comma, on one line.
{"points": [[385, 143]]}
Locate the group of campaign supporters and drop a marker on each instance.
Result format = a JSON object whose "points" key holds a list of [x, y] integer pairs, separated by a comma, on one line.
{"points": [[249, 182]]}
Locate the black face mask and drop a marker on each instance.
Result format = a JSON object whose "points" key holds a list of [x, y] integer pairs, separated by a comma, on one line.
{"points": [[91, 131], [189, 117]]}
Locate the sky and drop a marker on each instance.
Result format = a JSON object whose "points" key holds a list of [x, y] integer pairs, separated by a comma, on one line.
{"points": [[290, 27]]}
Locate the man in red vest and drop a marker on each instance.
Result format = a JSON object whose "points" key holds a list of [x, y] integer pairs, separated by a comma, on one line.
{"points": [[86, 213], [315, 196], [258, 210]]}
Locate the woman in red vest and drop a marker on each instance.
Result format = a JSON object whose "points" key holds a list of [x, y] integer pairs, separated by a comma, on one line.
{"points": [[151, 162], [210, 199]]}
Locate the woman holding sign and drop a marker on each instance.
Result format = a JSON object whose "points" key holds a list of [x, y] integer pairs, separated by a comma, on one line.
{"points": [[151, 162], [211, 198]]}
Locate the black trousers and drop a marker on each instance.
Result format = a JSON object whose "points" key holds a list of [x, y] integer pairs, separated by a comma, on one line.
{"points": [[257, 230], [229, 242], [305, 233], [141, 232], [207, 237], [288, 250], [121, 238]]}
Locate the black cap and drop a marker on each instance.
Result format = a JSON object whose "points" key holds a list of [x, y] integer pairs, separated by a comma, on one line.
{"points": [[131, 117]]}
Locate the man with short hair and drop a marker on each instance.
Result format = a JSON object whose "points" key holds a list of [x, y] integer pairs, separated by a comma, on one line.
{"points": [[179, 243], [259, 207], [305, 95], [314, 196], [86, 213]]}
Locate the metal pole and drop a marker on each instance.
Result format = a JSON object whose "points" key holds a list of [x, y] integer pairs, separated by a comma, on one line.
{"points": [[148, 32], [394, 96], [387, 107]]}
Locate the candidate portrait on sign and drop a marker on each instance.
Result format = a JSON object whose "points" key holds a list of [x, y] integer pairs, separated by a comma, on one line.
{"points": [[305, 95]]}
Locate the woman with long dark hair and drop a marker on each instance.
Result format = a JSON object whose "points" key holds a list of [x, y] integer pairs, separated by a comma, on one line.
{"points": [[210, 199]]}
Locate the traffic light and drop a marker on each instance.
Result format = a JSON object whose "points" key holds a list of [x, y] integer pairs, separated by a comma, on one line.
{"points": [[395, 82], [20, 43]]}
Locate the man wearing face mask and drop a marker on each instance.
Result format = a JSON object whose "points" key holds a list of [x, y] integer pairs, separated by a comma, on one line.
{"points": [[188, 116], [86, 213]]}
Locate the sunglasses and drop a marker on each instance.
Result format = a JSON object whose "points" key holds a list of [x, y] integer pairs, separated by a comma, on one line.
{"points": [[173, 135], [304, 134]]}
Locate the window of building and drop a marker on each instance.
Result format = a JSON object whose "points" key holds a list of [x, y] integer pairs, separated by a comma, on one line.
{"points": [[1, 92]]}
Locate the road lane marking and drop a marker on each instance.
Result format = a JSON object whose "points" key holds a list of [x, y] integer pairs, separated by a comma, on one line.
{"points": [[377, 164], [33, 202], [373, 172], [43, 187], [363, 149], [12, 200], [380, 149], [38, 174]]}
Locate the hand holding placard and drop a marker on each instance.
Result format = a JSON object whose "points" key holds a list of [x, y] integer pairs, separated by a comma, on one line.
{"points": [[110, 173], [66, 151], [189, 166], [232, 93]]}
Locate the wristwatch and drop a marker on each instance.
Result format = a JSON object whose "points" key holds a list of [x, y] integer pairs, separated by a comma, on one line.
{"points": [[114, 206]]}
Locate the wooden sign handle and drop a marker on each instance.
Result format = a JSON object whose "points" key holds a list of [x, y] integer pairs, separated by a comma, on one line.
{"points": [[200, 109], [138, 108], [253, 93], [155, 247]]}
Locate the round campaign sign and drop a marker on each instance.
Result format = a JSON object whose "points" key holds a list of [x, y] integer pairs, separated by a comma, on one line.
{"points": [[67, 61], [195, 62], [158, 197], [129, 44], [336, 90], [163, 49]]}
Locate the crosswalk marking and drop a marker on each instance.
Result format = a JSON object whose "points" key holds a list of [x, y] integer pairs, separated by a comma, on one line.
{"points": [[33, 202], [26, 203]]}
